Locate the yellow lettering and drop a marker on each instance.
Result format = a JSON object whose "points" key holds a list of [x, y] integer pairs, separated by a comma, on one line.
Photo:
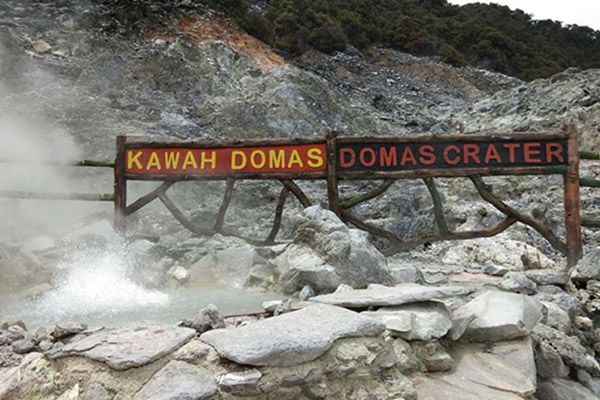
{"points": [[243, 161], [295, 159], [172, 159], [277, 160], [131, 159], [212, 160], [189, 160], [315, 158], [263, 159], [154, 161]]}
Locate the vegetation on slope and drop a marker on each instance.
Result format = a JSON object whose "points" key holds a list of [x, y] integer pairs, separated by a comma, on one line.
{"points": [[488, 36]]}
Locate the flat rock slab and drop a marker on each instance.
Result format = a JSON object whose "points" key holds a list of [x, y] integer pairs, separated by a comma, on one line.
{"points": [[292, 338], [500, 316], [506, 371], [178, 380], [562, 389], [127, 347], [382, 296], [415, 321]]}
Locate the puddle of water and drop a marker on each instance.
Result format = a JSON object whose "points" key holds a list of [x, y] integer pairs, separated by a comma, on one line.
{"points": [[98, 289]]}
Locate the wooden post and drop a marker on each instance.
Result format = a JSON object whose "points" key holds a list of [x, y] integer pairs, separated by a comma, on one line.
{"points": [[332, 182], [572, 201], [120, 188], [224, 205]]}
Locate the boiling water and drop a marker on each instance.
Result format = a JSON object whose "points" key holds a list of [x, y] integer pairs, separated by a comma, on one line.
{"points": [[101, 290]]}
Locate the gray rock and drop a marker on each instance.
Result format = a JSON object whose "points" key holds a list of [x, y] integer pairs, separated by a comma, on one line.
{"points": [[495, 270], [178, 380], [67, 329], [390, 296], [11, 334], [518, 283], [556, 317], [45, 346], [179, 275], [549, 363], [23, 346], [556, 295], [327, 253], [503, 371], [207, 318], [500, 316], [292, 338], [95, 391], [562, 389], [343, 288], [41, 46], [547, 277], [406, 274], [306, 293], [271, 305], [126, 347], [460, 325], [440, 361], [415, 321], [569, 347], [244, 383], [587, 268]]}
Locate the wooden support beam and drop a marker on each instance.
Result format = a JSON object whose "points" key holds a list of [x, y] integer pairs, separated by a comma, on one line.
{"points": [[572, 201], [148, 198], [356, 200], [224, 205], [332, 182], [295, 189], [365, 226], [511, 212], [590, 223], [17, 194], [487, 232], [438, 209], [278, 213], [589, 183], [120, 187], [588, 155]]}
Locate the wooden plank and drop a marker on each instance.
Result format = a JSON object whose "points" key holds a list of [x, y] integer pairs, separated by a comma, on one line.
{"points": [[590, 223], [120, 188], [487, 232], [572, 202], [453, 138], [17, 194], [148, 198], [224, 205], [278, 213], [589, 183], [525, 219], [438, 209], [332, 183], [295, 189], [348, 203], [588, 155], [313, 175], [226, 144]]}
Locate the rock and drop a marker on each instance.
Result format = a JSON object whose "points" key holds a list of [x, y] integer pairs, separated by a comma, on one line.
{"points": [[440, 361], [244, 383], [179, 275], [128, 346], [67, 329], [26, 379], [562, 389], [518, 283], [306, 293], [557, 318], [460, 325], [284, 307], [70, 394], [343, 288], [207, 318], [41, 47], [99, 234], [549, 363], [583, 323], [554, 294], [495, 270], [406, 274], [504, 371], [45, 346], [291, 338], [24, 345], [548, 277], [587, 268], [415, 321], [511, 254], [569, 347], [95, 391], [11, 334], [500, 316], [230, 266], [178, 380], [326, 253], [389, 296], [271, 305]]}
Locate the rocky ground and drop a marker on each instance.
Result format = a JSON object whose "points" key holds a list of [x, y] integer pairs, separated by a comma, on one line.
{"points": [[496, 318]]}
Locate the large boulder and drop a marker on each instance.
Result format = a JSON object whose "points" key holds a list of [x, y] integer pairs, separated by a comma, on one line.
{"points": [[326, 253], [415, 321], [126, 347], [383, 296], [292, 338], [500, 316], [178, 380]]}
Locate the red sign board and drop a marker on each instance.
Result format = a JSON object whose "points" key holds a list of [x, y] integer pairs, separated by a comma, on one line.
{"points": [[206, 161]]}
